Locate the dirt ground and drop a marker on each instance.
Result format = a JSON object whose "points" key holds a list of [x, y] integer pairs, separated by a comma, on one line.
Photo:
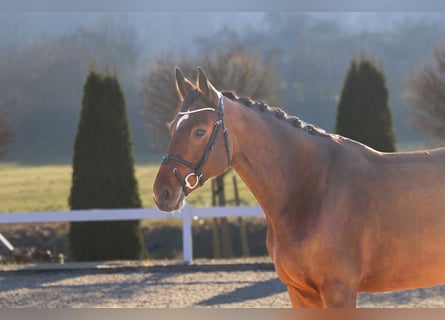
{"points": [[39, 281], [240, 283]]}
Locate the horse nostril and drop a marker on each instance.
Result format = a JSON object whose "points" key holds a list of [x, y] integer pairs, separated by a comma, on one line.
{"points": [[166, 194]]}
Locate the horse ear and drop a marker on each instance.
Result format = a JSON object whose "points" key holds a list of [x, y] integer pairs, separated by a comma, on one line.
{"points": [[206, 88], [183, 85]]}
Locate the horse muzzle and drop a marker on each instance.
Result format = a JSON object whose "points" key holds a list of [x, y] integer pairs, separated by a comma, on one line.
{"points": [[168, 200], [167, 193]]}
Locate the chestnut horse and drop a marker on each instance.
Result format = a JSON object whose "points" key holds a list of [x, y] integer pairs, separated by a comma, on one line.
{"points": [[342, 218]]}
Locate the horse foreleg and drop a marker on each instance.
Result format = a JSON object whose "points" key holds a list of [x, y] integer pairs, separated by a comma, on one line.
{"points": [[332, 295], [337, 294], [304, 299]]}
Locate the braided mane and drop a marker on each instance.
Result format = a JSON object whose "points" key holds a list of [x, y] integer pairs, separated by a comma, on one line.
{"points": [[278, 113]]}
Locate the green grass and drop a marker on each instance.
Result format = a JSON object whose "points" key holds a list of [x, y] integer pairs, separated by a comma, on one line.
{"points": [[46, 188]]}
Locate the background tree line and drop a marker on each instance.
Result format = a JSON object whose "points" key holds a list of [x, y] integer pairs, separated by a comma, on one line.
{"points": [[41, 75]]}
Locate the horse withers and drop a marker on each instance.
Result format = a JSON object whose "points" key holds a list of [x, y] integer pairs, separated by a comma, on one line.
{"points": [[341, 217]]}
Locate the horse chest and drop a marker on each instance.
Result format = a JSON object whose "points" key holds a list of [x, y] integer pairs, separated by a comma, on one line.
{"points": [[289, 260], [285, 269]]}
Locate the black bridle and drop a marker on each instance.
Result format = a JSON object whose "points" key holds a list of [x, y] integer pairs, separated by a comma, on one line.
{"points": [[197, 173]]}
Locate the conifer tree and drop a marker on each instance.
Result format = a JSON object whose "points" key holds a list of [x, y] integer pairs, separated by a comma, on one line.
{"points": [[363, 113], [103, 174], [5, 136]]}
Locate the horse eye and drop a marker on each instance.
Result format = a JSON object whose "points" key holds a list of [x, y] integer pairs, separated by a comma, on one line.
{"points": [[199, 133]]}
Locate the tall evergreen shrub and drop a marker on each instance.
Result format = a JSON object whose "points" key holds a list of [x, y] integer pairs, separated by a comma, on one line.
{"points": [[363, 112], [103, 174]]}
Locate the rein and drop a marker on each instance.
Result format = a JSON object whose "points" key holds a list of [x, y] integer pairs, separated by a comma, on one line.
{"points": [[197, 174]]}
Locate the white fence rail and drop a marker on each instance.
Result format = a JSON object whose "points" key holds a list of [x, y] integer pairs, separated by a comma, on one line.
{"points": [[187, 214]]}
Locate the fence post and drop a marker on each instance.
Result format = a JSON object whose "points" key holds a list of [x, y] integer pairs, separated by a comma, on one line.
{"points": [[187, 242]]}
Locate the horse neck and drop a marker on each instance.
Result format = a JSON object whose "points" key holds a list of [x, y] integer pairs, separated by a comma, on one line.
{"points": [[275, 160]]}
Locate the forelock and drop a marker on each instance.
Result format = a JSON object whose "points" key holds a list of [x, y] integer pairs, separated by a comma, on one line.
{"points": [[190, 99]]}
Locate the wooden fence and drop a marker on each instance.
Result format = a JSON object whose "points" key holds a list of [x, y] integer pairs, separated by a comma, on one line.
{"points": [[186, 214]]}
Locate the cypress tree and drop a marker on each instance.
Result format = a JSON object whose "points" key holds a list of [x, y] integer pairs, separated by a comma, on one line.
{"points": [[363, 113], [103, 174]]}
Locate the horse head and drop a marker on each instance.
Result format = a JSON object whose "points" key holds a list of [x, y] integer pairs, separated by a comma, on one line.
{"points": [[199, 145]]}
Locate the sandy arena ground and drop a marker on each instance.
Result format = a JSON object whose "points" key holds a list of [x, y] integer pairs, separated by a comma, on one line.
{"points": [[204, 284]]}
